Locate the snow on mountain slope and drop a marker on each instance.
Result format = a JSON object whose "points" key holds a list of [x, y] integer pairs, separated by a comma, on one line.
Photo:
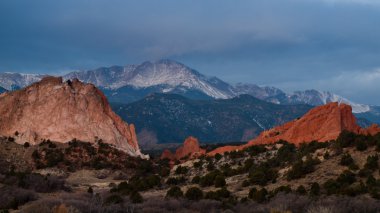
{"points": [[108, 77], [316, 98], [11, 81], [163, 72], [133, 82]]}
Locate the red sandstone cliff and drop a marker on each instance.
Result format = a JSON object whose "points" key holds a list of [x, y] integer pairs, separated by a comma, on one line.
{"points": [[60, 111], [189, 149], [323, 123]]}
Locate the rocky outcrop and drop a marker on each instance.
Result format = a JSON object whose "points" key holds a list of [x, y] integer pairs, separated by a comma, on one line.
{"points": [[167, 154], [190, 149], [61, 111], [371, 130], [323, 123]]}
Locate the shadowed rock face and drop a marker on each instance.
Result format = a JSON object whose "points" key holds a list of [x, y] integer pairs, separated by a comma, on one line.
{"points": [[61, 111], [323, 123], [189, 149]]}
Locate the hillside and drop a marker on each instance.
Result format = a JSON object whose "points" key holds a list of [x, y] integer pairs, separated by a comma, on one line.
{"points": [[168, 118], [338, 176]]}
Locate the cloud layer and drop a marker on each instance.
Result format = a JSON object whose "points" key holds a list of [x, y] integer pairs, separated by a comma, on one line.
{"points": [[270, 42]]}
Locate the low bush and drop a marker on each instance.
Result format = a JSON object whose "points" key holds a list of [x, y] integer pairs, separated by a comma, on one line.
{"points": [[136, 197], [194, 193], [219, 181], [346, 160], [174, 192], [314, 189], [220, 194], [301, 168], [259, 196], [175, 180], [113, 199], [181, 170], [196, 179], [301, 190], [262, 174]]}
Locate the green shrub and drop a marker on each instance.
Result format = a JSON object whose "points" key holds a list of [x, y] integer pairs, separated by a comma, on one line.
{"points": [[198, 164], [123, 188], [219, 181], [252, 192], [360, 144], [181, 170], [90, 190], [262, 174], [307, 148], [286, 153], [196, 179], [248, 164], [346, 178], [135, 197], [218, 156], [346, 160], [314, 189], [259, 196], [113, 199], [301, 168], [372, 162], [301, 190], [209, 178], [194, 193], [210, 166], [152, 181], [255, 150], [174, 192], [245, 183], [35, 155], [331, 187], [371, 181], [326, 155], [346, 139], [285, 189], [175, 181], [219, 194]]}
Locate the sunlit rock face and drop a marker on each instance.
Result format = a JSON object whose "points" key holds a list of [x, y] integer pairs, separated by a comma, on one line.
{"points": [[61, 111], [189, 149], [323, 123]]}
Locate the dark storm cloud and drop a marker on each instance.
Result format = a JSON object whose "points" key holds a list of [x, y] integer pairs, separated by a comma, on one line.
{"points": [[294, 44]]}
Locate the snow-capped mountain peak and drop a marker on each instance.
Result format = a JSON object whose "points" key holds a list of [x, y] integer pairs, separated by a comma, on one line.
{"points": [[11, 81], [315, 98], [170, 74]]}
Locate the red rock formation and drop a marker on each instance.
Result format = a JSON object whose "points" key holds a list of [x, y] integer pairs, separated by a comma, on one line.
{"points": [[372, 130], [189, 149], [323, 123], [60, 111], [167, 154]]}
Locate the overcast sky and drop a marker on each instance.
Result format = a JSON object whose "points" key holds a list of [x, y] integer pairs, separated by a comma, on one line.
{"points": [[331, 45]]}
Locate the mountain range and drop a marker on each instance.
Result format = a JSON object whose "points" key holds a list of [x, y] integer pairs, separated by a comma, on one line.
{"points": [[171, 118], [127, 84]]}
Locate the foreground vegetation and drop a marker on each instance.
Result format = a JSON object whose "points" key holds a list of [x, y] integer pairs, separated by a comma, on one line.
{"points": [[336, 176]]}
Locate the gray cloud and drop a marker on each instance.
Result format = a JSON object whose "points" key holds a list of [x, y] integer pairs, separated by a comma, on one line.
{"points": [[270, 42]]}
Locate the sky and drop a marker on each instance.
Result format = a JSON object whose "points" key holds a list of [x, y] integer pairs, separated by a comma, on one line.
{"points": [[330, 45]]}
